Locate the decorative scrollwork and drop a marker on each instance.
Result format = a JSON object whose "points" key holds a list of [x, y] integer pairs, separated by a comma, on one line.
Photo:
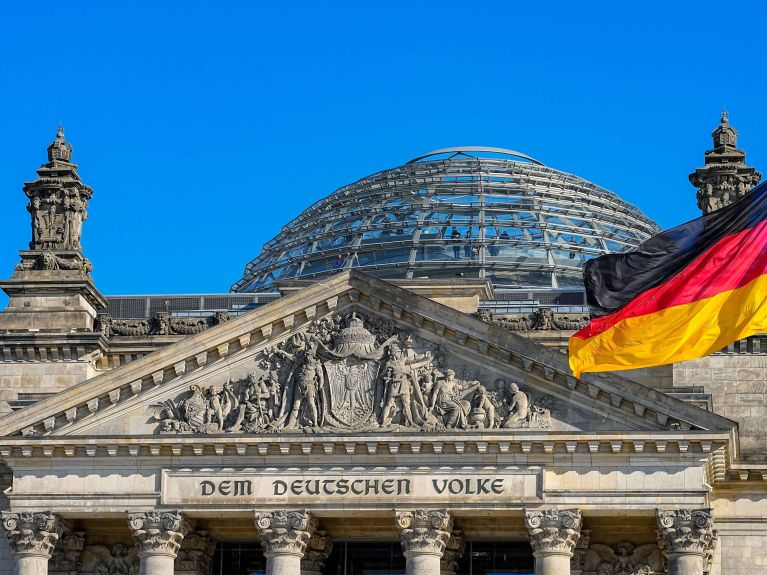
{"points": [[32, 533], [686, 530], [554, 530], [285, 532], [158, 532], [424, 530]]}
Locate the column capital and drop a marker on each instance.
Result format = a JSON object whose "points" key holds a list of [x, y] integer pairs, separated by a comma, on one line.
{"points": [[317, 551], [424, 531], [195, 553], [285, 532], [67, 557], [452, 554], [686, 531], [158, 532], [32, 533], [554, 531]]}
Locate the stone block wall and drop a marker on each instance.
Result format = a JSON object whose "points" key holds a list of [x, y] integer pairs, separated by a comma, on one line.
{"points": [[738, 388]]}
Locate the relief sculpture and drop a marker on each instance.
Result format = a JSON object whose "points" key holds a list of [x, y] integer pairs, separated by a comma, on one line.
{"points": [[340, 375]]}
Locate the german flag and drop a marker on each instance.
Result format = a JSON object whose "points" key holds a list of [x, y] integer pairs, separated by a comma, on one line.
{"points": [[683, 294]]}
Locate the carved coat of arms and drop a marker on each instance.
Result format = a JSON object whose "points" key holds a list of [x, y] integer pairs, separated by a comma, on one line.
{"points": [[351, 369]]}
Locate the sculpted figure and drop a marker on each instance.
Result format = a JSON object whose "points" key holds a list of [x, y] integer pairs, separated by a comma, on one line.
{"points": [[256, 408], [400, 386], [484, 403], [38, 222], [308, 378], [221, 402], [447, 400], [518, 408]]}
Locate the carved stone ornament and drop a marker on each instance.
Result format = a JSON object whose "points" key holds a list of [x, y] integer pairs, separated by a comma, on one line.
{"points": [[195, 553], [118, 559], [67, 556], [725, 178], [424, 531], [47, 261], [162, 323], [452, 554], [554, 531], [285, 532], [541, 319], [686, 531], [158, 532], [58, 200], [341, 376], [32, 533], [317, 551], [625, 558]]}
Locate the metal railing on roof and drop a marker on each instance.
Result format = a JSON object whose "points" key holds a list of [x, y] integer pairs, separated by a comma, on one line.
{"points": [[145, 306]]}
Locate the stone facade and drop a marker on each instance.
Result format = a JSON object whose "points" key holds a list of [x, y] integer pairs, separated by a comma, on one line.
{"points": [[354, 410]]}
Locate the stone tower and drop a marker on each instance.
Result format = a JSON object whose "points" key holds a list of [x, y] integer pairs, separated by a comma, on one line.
{"points": [[51, 289], [725, 176]]}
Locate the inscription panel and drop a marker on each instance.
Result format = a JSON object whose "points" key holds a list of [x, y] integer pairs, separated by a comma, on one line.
{"points": [[334, 487]]}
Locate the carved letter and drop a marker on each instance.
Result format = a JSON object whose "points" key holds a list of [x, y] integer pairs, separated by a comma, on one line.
{"points": [[280, 487], [207, 488], [243, 487], [437, 488]]}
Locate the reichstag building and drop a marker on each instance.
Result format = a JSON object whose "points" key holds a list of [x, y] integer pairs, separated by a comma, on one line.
{"points": [[383, 391]]}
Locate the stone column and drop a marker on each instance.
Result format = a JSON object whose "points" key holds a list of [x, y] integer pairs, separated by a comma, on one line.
{"points": [[195, 554], [284, 535], [424, 533], [317, 550], [67, 557], [687, 539], [32, 538], [158, 536], [554, 533], [452, 554]]}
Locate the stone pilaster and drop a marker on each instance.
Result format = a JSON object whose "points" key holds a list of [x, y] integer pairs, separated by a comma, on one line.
{"points": [[424, 533], [67, 557], [554, 533], [452, 554], [195, 554], [284, 536], [32, 538], [687, 538], [317, 551], [158, 536]]}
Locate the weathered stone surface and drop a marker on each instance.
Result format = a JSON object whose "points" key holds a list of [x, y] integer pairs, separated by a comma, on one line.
{"points": [[285, 532], [33, 534], [424, 532], [158, 532]]}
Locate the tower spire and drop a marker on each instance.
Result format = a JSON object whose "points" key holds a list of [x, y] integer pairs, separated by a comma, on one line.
{"points": [[725, 176]]}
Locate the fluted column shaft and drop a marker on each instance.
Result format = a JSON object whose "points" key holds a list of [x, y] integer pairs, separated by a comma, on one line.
{"points": [[284, 535], [424, 534], [554, 533], [158, 536], [32, 538], [687, 538]]}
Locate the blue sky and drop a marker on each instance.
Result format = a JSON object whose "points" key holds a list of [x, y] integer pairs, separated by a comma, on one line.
{"points": [[205, 126]]}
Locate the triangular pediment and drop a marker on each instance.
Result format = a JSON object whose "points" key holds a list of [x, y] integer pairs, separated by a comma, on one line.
{"points": [[355, 354]]}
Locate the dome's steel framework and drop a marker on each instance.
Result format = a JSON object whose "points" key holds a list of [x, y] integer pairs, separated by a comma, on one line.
{"points": [[466, 212]]}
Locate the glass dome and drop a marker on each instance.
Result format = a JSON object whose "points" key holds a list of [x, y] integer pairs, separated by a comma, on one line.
{"points": [[458, 212]]}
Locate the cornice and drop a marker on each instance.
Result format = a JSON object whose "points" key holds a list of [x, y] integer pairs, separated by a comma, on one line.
{"points": [[671, 445]]}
